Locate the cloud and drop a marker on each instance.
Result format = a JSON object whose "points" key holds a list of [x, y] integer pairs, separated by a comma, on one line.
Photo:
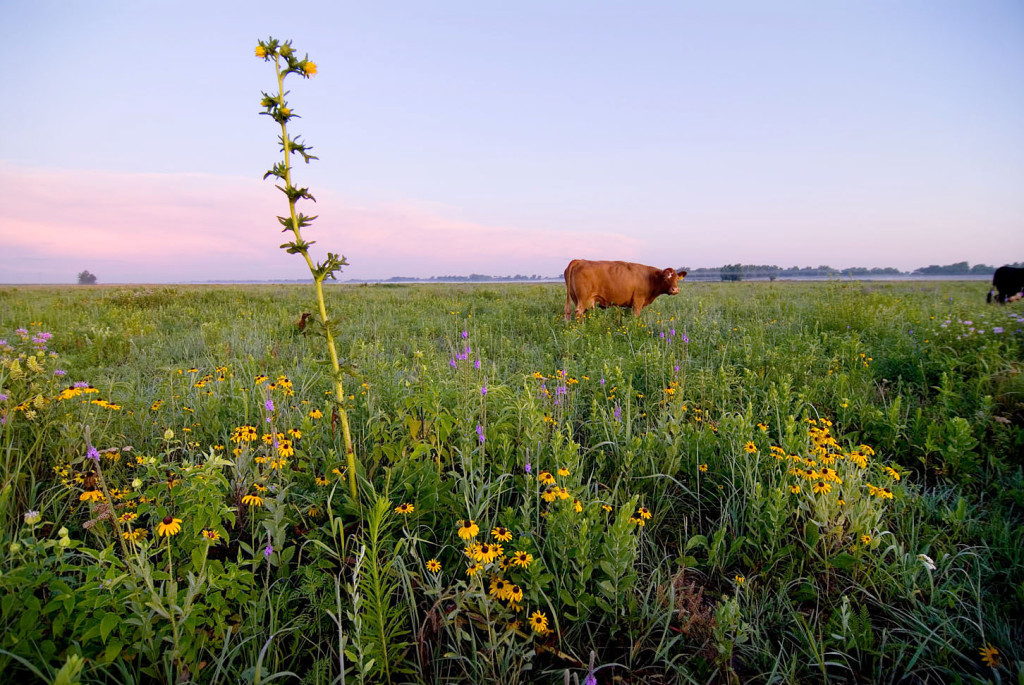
{"points": [[182, 227]]}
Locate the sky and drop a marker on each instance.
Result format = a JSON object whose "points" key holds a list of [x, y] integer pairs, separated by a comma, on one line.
{"points": [[459, 136]]}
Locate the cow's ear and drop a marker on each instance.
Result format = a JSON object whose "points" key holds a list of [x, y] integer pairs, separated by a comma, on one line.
{"points": [[668, 273], [681, 272]]}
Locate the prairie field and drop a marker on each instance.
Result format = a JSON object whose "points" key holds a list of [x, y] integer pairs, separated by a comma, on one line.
{"points": [[749, 482]]}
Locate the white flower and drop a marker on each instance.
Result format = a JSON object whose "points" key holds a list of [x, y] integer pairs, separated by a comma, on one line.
{"points": [[926, 561]]}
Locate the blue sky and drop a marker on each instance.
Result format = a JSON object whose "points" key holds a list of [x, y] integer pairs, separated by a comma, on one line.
{"points": [[497, 138]]}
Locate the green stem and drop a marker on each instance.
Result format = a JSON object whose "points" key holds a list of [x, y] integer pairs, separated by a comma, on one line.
{"points": [[339, 390]]}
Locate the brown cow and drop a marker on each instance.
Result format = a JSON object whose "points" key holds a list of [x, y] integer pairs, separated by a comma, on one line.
{"points": [[623, 284]]}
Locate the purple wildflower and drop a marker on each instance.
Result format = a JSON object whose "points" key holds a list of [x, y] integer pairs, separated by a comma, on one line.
{"points": [[269, 404], [80, 384], [60, 372], [561, 390], [685, 338], [476, 365], [93, 454], [268, 550], [483, 390], [22, 332], [997, 329], [3, 397], [602, 381], [453, 364], [480, 433], [662, 335], [3, 341], [671, 331], [527, 467], [465, 334], [676, 368], [591, 679], [618, 412]]}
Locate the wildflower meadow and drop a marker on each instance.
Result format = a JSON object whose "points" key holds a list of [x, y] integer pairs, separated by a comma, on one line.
{"points": [[749, 482]]}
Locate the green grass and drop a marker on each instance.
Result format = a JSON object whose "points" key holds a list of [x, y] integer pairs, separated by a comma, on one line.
{"points": [[742, 572]]}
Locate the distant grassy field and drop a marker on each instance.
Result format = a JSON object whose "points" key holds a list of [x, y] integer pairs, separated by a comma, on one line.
{"points": [[751, 482]]}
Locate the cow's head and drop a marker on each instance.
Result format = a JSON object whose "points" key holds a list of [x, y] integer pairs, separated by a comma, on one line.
{"points": [[671, 278]]}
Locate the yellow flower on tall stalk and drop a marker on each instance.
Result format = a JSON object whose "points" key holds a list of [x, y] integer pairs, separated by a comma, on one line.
{"points": [[467, 529], [865, 539], [405, 508], [501, 534], [750, 447], [822, 488], [309, 68], [703, 468], [546, 478], [211, 535], [514, 594], [168, 526], [473, 570], [500, 588], [644, 513], [434, 566], [794, 489], [253, 500], [562, 471]]}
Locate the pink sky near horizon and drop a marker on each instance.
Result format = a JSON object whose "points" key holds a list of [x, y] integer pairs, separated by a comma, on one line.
{"points": [[149, 227]]}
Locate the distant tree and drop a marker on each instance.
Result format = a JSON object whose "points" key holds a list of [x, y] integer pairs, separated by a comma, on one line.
{"points": [[732, 272], [86, 278]]}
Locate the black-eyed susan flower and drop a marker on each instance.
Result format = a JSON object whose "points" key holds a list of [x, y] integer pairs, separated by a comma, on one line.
{"points": [[762, 427], [606, 507], [563, 472], [550, 495], [320, 480], [91, 496], [486, 553], [865, 539], [316, 414], [703, 468], [514, 593], [539, 622], [740, 580], [168, 526], [135, 535], [990, 656], [577, 506], [822, 488], [546, 478], [500, 588], [644, 513], [473, 570], [501, 534], [750, 447], [434, 566], [794, 489], [521, 558], [405, 508], [467, 529], [253, 500], [211, 535]]}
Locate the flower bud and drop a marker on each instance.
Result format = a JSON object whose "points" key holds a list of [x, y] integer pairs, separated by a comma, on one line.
{"points": [[63, 532], [14, 547], [168, 434], [137, 483], [64, 542], [261, 51], [286, 50]]}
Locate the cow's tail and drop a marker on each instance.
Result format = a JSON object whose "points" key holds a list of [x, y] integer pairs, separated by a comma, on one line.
{"points": [[989, 298]]}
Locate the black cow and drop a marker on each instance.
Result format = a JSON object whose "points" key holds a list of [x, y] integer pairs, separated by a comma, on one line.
{"points": [[1007, 284]]}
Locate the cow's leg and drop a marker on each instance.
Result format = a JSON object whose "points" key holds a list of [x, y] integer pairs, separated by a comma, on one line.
{"points": [[568, 302]]}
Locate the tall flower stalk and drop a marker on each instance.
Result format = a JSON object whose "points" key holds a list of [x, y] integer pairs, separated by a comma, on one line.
{"points": [[286, 63]]}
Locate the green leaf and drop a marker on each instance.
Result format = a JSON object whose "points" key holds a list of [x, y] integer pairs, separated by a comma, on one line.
{"points": [[811, 534], [107, 624]]}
